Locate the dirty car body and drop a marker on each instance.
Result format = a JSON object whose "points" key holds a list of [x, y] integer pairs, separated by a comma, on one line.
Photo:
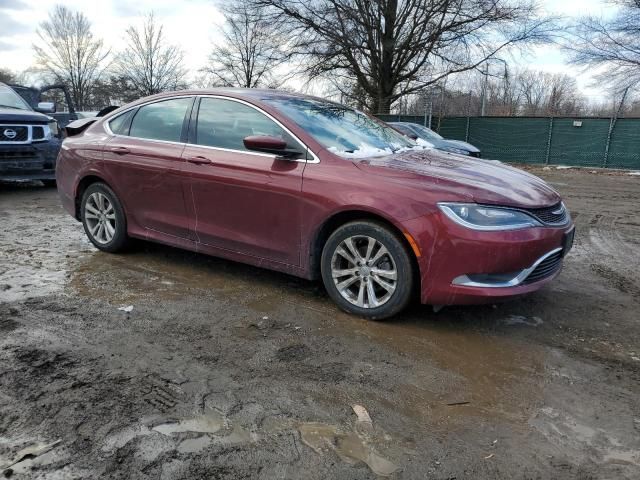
{"points": [[188, 170]]}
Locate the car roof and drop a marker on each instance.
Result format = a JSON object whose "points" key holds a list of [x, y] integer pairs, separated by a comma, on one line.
{"points": [[256, 94]]}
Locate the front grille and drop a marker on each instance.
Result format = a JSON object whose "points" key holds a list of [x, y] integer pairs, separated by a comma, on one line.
{"points": [[38, 133], [546, 268], [555, 215], [14, 133]]}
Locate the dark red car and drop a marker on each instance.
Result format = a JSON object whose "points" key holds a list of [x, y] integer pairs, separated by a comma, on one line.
{"points": [[314, 189]]}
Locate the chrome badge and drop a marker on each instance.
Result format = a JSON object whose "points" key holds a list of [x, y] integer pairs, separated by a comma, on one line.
{"points": [[10, 134]]}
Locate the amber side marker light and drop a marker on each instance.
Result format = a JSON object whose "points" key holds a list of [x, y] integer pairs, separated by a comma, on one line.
{"points": [[413, 244]]}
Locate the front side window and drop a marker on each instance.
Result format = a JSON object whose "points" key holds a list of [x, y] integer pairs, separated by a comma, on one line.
{"points": [[161, 120], [225, 123]]}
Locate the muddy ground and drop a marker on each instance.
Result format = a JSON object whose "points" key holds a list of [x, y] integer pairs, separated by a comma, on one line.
{"points": [[224, 371]]}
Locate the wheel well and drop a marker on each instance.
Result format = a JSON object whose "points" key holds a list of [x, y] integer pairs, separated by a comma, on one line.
{"points": [[342, 218], [82, 186]]}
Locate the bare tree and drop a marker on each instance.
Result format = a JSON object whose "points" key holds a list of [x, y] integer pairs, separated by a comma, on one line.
{"points": [[396, 47], [532, 86], [613, 43], [517, 93], [253, 48], [69, 52], [7, 76], [149, 63]]}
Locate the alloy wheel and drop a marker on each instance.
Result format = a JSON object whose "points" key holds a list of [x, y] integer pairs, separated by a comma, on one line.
{"points": [[100, 217], [364, 272]]}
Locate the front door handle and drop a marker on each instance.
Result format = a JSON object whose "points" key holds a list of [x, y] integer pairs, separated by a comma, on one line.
{"points": [[199, 160], [119, 150]]}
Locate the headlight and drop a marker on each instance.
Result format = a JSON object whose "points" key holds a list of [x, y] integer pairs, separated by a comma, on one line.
{"points": [[481, 217], [53, 128], [459, 151]]}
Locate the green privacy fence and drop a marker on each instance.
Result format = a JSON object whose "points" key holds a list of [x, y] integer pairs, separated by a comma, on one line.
{"points": [[587, 142]]}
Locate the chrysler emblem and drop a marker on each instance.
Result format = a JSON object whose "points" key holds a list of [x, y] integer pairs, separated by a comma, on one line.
{"points": [[10, 134]]}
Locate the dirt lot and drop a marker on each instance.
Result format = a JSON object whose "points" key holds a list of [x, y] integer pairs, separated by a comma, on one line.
{"points": [[223, 371]]}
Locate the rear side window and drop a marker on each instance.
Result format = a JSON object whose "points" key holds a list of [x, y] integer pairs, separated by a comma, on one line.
{"points": [[161, 120], [120, 124], [225, 124]]}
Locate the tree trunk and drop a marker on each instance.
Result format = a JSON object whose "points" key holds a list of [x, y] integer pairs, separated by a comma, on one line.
{"points": [[385, 80]]}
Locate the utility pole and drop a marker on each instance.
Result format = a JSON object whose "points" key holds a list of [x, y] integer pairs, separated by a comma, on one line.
{"points": [[485, 82], [430, 107]]}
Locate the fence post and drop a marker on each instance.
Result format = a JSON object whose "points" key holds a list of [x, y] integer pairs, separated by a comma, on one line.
{"points": [[466, 133], [549, 137]]}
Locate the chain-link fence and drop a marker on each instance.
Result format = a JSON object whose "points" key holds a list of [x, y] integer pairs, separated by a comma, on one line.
{"points": [[587, 142]]}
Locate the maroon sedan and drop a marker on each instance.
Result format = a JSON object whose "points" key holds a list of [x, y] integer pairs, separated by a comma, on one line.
{"points": [[314, 189]]}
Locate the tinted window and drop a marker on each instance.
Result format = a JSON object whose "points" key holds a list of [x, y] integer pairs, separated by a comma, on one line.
{"points": [[225, 123], [120, 124], [161, 120]]}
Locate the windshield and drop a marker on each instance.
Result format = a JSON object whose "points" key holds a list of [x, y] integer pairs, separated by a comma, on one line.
{"points": [[9, 98], [425, 132], [340, 129]]}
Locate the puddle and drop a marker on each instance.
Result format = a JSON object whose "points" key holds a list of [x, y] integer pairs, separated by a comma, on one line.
{"points": [[210, 423], [211, 428], [237, 436], [165, 273], [350, 447], [522, 320]]}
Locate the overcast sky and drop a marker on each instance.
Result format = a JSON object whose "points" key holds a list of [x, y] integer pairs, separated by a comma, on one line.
{"points": [[195, 24]]}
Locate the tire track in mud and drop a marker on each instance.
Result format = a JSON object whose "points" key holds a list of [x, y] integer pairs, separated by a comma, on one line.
{"points": [[612, 252], [608, 236]]}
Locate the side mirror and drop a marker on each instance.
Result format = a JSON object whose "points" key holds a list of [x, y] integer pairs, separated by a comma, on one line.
{"points": [[46, 107], [268, 144]]}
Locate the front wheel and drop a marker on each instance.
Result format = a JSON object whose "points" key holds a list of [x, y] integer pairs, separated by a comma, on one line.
{"points": [[367, 270], [103, 218]]}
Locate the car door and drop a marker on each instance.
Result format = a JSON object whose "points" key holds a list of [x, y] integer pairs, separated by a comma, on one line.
{"points": [[144, 160], [243, 201]]}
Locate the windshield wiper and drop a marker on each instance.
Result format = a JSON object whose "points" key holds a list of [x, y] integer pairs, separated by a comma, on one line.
{"points": [[11, 106]]}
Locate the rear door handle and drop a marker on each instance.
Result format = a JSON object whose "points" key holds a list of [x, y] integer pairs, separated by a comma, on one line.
{"points": [[199, 160], [119, 150]]}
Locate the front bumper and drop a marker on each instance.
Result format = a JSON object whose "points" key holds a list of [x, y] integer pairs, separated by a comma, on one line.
{"points": [[36, 161], [460, 266]]}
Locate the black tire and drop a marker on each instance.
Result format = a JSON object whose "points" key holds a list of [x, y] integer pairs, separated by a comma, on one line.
{"points": [[120, 239], [398, 258], [48, 183]]}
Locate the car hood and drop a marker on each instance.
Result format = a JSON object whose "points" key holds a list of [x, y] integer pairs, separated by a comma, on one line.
{"points": [[22, 116], [483, 181], [461, 145]]}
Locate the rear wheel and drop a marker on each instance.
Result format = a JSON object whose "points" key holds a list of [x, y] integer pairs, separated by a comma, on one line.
{"points": [[103, 218], [367, 270]]}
